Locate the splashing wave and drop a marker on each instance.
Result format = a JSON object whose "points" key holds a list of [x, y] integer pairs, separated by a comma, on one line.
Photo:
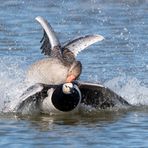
{"points": [[131, 89], [12, 85]]}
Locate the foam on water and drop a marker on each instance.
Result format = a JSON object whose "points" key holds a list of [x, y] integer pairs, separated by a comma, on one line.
{"points": [[11, 82], [131, 89]]}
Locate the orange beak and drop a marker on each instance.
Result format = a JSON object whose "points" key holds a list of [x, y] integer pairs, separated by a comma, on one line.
{"points": [[70, 78]]}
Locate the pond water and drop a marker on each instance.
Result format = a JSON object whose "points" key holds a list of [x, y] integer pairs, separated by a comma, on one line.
{"points": [[119, 62]]}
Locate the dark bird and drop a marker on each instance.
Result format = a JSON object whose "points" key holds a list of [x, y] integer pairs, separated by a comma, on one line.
{"points": [[48, 99], [61, 65], [67, 97]]}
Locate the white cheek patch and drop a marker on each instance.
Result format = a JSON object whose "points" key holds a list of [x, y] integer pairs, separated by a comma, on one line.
{"points": [[66, 88]]}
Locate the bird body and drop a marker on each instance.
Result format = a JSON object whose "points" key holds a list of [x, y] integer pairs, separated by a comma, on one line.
{"points": [[50, 99], [47, 71], [61, 65]]}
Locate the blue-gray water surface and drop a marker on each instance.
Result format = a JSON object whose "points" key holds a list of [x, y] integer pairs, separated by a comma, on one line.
{"points": [[120, 62]]}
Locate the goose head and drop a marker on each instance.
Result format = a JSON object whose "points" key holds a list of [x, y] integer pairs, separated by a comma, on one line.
{"points": [[66, 97]]}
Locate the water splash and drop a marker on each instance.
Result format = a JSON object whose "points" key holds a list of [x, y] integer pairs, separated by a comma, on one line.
{"points": [[11, 82], [131, 89], [12, 85]]}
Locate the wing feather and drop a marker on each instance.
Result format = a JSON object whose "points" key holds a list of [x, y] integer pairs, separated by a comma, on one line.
{"points": [[49, 40], [100, 96], [81, 43], [31, 91]]}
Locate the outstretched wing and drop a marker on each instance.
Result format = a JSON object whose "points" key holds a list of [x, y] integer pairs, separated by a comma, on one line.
{"points": [[31, 91], [46, 46], [99, 96], [81, 43], [31, 99], [49, 41]]}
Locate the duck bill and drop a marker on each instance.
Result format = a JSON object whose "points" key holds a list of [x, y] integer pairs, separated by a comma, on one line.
{"points": [[70, 78]]}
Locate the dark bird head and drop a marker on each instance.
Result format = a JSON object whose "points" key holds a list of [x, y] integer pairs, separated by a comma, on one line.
{"points": [[66, 97]]}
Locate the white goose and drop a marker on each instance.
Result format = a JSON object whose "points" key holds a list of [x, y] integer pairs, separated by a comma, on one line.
{"points": [[61, 65]]}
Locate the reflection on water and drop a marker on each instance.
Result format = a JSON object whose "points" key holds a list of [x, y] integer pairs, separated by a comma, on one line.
{"points": [[120, 62], [50, 123], [93, 129]]}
